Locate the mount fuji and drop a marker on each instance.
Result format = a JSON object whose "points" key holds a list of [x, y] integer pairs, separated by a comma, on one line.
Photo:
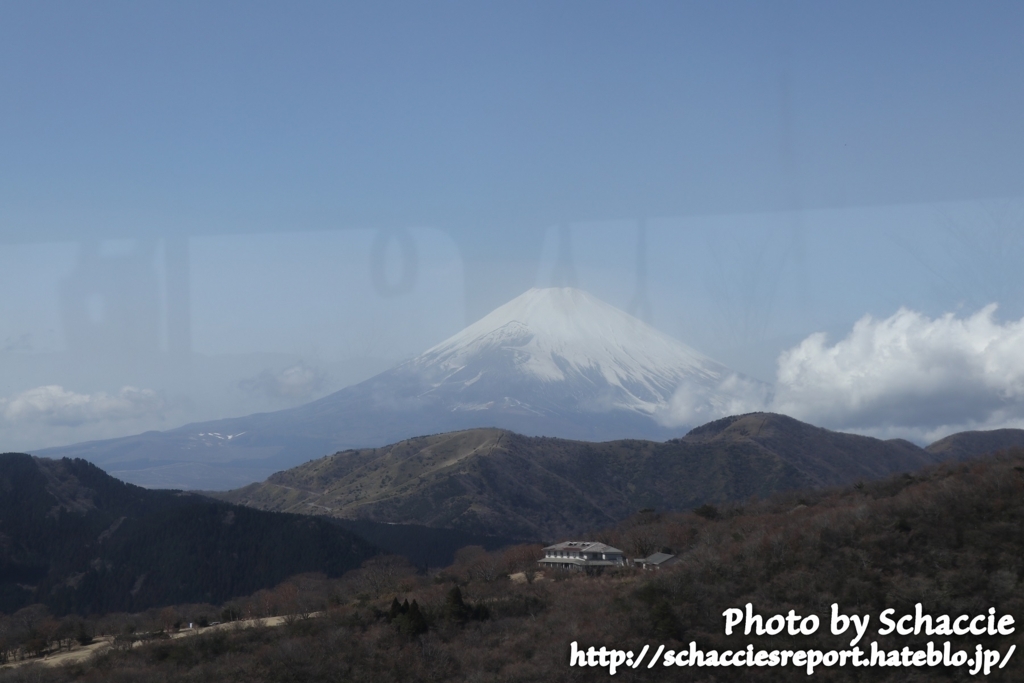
{"points": [[551, 362], [562, 354]]}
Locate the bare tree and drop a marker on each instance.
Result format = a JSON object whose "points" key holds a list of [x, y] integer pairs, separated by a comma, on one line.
{"points": [[522, 558], [642, 540], [384, 573]]}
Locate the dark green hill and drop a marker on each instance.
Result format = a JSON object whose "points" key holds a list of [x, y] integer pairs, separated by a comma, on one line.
{"points": [[972, 444], [78, 540], [498, 482], [425, 547]]}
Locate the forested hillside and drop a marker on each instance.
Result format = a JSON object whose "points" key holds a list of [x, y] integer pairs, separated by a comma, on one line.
{"points": [[78, 540], [497, 482], [950, 538]]}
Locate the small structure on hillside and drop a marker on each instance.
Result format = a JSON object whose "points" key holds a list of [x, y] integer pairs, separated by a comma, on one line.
{"points": [[656, 561], [582, 556]]}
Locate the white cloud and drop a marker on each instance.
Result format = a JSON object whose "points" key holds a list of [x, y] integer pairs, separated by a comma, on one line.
{"points": [[906, 376], [296, 382], [54, 405], [693, 404]]}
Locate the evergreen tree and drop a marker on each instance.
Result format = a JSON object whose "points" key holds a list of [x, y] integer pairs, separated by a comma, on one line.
{"points": [[395, 611], [454, 608], [413, 623]]}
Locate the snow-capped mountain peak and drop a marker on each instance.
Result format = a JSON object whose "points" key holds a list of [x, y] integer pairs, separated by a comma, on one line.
{"points": [[567, 343], [551, 362]]}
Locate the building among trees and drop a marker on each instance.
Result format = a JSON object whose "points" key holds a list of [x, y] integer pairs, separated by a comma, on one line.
{"points": [[656, 561], [582, 556]]}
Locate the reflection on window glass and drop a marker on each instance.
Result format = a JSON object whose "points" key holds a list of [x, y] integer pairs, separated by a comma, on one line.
{"points": [[207, 214]]}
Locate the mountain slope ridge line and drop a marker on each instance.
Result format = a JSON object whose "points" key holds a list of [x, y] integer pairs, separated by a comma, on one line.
{"points": [[550, 362], [504, 483]]}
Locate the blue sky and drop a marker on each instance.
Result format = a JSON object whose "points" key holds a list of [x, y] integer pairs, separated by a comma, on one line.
{"points": [[273, 116], [796, 166]]}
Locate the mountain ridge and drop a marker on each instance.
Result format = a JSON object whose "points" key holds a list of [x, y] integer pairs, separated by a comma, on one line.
{"points": [[499, 482], [964, 445], [554, 362]]}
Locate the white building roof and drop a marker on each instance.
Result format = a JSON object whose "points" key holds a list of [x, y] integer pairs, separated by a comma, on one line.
{"points": [[585, 547]]}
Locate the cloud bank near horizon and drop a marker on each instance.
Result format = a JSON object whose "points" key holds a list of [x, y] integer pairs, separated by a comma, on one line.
{"points": [[53, 405], [906, 376]]}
